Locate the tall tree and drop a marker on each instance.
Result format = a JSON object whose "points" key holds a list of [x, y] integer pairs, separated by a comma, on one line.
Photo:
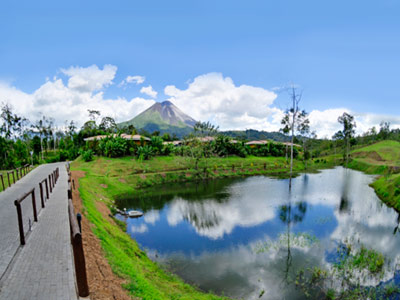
{"points": [[108, 124], [348, 131], [41, 127], [294, 121], [205, 129], [12, 125]]}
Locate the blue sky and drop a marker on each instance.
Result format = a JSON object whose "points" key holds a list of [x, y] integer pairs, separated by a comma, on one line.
{"points": [[343, 54]]}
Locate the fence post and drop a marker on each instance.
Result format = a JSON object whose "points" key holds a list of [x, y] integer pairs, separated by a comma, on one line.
{"points": [[51, 189], [8, 176], [13, 176], [20, 223], [2, 182], [34, 206], [69, 192], [47, 189], [41, 193], [16, 171]]}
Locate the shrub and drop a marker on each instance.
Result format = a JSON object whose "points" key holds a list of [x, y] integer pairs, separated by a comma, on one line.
{"points": [[144, 152], [113, 146], [87, 155], [157, 144]]}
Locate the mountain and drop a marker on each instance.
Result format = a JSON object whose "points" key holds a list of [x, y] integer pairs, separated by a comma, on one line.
{"points": [[164, 117]]}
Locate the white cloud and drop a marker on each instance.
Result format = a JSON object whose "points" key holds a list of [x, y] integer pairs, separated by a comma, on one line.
{"points": [[209, 97], [132, 79], [326, 122], [142, 228], [212, 97], [148, 90], [90, 79], [71, 102], [152, 217]]}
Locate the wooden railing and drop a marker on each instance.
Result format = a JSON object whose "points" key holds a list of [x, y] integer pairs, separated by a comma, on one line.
{"points": [[77, 246], [32, 193], [19, 213], [15, 174], [2, 181]]}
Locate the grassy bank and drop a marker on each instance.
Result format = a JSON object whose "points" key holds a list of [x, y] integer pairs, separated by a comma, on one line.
{"points": [[382, 159], [106, 178]]}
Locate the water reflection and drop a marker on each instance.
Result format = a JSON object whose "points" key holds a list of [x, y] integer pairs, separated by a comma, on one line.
{"points": [[211, 233]]}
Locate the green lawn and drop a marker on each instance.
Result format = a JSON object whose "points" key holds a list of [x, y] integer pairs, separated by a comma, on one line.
{"points": [[382, 158]]}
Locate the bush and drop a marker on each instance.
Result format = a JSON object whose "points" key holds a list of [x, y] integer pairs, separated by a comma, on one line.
{"points": [[64, 155], [113, 147], [157, 144], [87, 155], [144, 152]]}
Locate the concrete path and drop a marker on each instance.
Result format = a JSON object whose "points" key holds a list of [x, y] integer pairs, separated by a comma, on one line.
{"points": [[43, 268]]}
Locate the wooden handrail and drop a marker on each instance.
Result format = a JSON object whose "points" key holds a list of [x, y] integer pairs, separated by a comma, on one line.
{"points": [[2, 181], [79, 255], [8, 176], [17, 203]]}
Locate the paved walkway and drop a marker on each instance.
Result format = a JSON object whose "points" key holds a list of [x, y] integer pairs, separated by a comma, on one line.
{"points": [[43, 268]]}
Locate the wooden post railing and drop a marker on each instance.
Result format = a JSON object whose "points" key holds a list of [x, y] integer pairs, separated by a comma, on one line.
{"points": [[77, 246], [2, 181], [19, 213], [51, 188], [8, 176]]}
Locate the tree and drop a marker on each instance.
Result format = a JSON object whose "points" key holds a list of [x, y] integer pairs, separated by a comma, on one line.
{"points": [[108, 124], [384, 130], [41, 126], [294, 121], [348, 132], [205, 129], [12, 124], [93, 114]]}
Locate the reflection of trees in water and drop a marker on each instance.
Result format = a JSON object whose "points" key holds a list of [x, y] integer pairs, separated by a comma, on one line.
{"points": [[398, 224], [344, 205], [201, 218], [157, 197], [289, 215]]}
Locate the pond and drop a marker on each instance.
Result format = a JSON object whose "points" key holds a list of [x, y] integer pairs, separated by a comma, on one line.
{"points": [[251, 237]]}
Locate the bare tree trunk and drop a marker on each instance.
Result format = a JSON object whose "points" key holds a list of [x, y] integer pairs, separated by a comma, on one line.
{"points": [[292, 140], [41, 145], [286, 153]]}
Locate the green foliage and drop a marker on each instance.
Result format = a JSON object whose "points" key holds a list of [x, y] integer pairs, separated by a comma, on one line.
{"points": [[157, 144], [144, 152], [113, 146], [87, 155], [368, 259]]}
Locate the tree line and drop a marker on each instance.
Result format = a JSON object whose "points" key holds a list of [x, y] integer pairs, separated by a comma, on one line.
{"points": [[23, 142]]}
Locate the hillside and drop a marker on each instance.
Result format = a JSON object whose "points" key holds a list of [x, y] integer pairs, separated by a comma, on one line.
{"points": [[385, 153], [382, 158], [164, 117]]}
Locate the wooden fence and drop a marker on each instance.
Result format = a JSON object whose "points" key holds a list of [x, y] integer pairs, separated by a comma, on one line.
{"points": [[77, 246], [33, 197], [15, 175]]}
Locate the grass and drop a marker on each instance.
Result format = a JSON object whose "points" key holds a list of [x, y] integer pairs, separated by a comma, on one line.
{"points": [[5, 180], [382, 158], [368, 259], [106, 178]]}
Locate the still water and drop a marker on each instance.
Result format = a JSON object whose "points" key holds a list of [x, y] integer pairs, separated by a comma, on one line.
{"points": [[249, 237]]}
